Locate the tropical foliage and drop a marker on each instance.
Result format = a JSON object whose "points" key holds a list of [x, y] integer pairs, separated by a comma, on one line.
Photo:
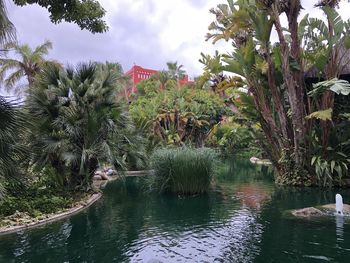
{"points": [[79, 122], [235, 139], [277, 75], [28, 65], [177, 115], [12, 150], [7, 29], [175, 71]]}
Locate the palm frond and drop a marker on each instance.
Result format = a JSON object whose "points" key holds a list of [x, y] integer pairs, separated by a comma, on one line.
{"points": [[7, 29]]}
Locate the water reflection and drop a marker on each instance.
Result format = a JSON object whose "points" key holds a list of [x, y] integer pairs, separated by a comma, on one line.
{"points": [[240, 220], [302, 240], [339, 220]]}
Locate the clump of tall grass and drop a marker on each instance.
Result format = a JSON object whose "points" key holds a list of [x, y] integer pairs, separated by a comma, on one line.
{"points": [[183, 170]]}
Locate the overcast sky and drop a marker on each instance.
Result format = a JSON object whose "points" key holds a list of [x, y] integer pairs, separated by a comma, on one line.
{"points": [[146, 32]]}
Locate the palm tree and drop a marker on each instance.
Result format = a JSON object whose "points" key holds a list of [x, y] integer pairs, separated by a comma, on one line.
{"points": [[28, 64], [11, 149], [79, 122], [175, 71], [162, 76]]}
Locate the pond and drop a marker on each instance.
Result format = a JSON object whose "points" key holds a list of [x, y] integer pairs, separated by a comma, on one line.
{"points": [[240, 220]]}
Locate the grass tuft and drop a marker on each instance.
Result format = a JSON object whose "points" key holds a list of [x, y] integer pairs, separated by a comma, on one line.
{"points": [[183, 170]]}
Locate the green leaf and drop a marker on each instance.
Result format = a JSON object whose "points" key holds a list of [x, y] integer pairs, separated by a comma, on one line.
{"points": [[336, 85], [341, 154], [339, 170], [332, 166], [313, 160], [340, 88], [345, 166], [347, 42], [321, 115], [293, 64]]}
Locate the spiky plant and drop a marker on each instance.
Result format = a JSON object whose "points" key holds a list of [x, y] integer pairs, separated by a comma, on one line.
{"points": [[80, 122], [12, 151]]}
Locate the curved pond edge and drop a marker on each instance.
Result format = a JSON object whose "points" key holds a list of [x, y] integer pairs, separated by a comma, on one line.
{"points": [[74, 210], [55, 217]]}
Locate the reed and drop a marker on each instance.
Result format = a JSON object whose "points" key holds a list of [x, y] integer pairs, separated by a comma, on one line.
{"points": [[183, 170]]}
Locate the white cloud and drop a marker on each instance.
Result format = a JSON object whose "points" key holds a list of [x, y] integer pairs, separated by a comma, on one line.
{"points": [[181, 27], [147, 32], [183, 24]]}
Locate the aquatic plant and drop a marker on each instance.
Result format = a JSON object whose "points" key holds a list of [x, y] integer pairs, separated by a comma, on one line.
{"points": [[183, 170]]}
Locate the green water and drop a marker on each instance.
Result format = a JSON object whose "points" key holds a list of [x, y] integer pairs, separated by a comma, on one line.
{"points": [[240, 220]]}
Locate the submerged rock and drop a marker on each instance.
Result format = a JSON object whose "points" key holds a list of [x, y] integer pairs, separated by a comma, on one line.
{"points": [[307, 212], [318, 211]]}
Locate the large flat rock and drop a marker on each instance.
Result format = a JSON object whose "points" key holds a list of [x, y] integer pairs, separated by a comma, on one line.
{"points": [[307, 212], [331, 207], [318, 211]]}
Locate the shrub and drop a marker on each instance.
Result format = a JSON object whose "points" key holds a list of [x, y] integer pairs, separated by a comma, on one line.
{"points": [[234, 139], [183, 170], [34, 206], [36, 199]]}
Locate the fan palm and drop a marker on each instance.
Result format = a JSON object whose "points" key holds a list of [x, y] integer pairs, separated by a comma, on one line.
{"points": [[7, 30], [80, 122], [29, 63], [11, 150]]}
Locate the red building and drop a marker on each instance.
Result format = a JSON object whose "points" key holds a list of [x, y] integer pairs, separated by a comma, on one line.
{"points": [[137, 74]]}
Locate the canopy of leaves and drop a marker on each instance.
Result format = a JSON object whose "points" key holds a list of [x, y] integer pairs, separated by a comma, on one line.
{"points": [[181, 111], [87, 14]]}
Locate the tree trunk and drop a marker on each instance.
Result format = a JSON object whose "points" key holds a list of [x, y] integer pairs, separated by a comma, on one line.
{"points": [[277, 99], [294, 82]]}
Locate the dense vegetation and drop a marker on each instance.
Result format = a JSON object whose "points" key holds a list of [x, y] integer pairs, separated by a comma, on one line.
{"points": [[293, 83], [176, 115], [78, 121], [234, 139], [12, 150], [183, 170]]}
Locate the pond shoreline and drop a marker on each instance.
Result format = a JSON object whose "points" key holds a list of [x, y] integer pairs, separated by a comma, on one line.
{"points": [[52, 217], [99, 184]]}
